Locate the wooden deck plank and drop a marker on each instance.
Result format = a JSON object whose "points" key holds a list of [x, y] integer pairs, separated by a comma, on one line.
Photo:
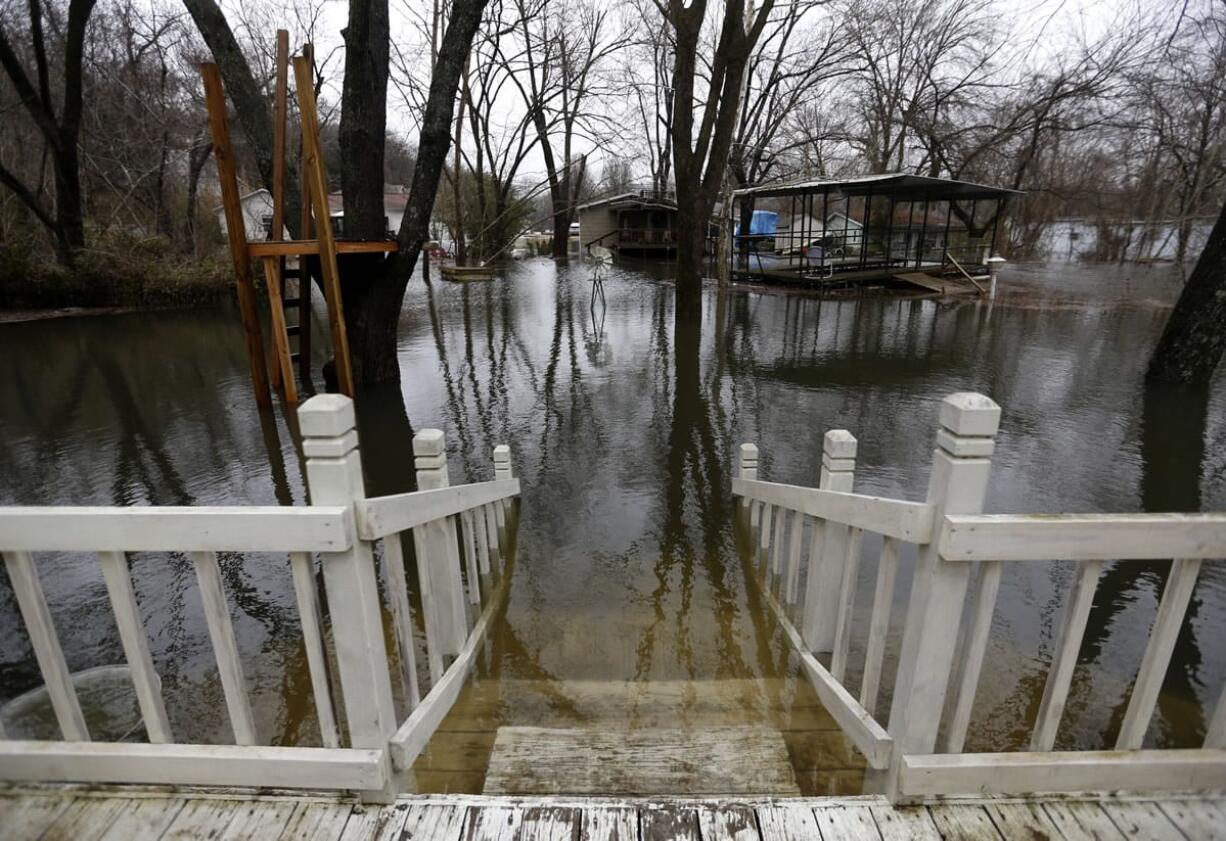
{"points": [[32, 817], [548, 823], [609, 823], [1142, 820], [847, 822], [668, 823], [317, 822], [1197, 819], [784, 822], [1021, 820], [904, 823], [494, 823], [963, 823], [201, 819], [145, 817], [435, 822], [376, 823], [85, 819], [1082, 821], [258, 820], [720, 761], [727, 823]]}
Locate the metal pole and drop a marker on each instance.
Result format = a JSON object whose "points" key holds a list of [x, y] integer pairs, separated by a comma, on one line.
{"points": [[919, 257], [868, 206]]}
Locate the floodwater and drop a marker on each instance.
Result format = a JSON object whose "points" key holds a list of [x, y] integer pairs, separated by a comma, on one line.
{"points": [[629, 603]]}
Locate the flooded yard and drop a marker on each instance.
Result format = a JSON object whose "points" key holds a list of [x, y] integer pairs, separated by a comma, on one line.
{"points": [[630, 604]]}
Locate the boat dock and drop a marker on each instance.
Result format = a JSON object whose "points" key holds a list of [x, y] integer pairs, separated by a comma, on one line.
{"points": [[123, 815]]}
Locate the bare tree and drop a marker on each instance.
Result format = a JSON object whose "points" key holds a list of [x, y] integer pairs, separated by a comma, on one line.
{"points": [[60, 127]]}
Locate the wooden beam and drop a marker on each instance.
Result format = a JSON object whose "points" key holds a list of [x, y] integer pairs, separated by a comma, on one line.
{"points": [[298, 247], [1082, 537], [223, 156], [283, 371], [313, 172], [248, 528], [218, 765], [1196, 769]]}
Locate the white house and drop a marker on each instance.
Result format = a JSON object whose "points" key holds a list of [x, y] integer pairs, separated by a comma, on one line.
{"points": [[257, 210]]}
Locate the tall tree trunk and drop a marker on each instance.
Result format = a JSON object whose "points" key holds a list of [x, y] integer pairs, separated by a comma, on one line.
{"points": [[1194, 338], [363, 128], [198, 156]]}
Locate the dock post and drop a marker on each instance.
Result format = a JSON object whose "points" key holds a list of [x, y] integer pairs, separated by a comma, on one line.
{"points": [[502, 471], [334, 477], [957, 485], [438, 554], [994, 264], [826, 571]]}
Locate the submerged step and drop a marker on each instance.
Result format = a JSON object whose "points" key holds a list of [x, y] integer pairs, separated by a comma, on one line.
{"points": [[726, 760]]}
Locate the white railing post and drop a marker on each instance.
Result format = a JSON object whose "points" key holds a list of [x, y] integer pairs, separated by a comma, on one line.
{"points": [[334, 476], [826, 570], [438, 557], [747, 468], [502, 470], [957, 485]]}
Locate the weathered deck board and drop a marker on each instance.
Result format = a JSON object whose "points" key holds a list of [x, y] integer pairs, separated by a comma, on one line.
{"points": [[713, 760], [140, 813]]}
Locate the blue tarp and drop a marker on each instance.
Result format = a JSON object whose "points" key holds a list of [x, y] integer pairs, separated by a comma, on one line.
{"points": [[761, 224]]}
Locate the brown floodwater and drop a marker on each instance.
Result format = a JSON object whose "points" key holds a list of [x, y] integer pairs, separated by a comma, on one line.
{"points": [[630, 604]]}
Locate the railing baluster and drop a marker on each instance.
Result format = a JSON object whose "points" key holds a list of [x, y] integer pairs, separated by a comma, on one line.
{"points": [[402, 616], [477, 518], [987, 586], [135, 645], [225, 649], [847, 603], [879, 625], [307, 596], [793, 569], [1215, 735], [46, 643], [491, 528], [1060, 675], [817, 538], [470, 557], [764, 538], [429, 616], [776, 555], [1157, 655]]}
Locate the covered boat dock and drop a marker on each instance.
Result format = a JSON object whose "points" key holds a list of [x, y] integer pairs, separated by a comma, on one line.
{"points": [[894, 229]]}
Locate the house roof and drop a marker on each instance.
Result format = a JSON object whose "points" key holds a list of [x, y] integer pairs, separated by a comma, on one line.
{"points": [[898, 184], [634, 199]]}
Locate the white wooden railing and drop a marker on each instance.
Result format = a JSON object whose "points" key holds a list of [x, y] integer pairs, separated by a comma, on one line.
{"points": [[933, 696], [341, 526]]}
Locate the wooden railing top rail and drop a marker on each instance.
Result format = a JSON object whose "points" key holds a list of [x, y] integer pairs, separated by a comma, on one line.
{"points": [[386, 515], [898, 518], [1082, 537], [316, 528]]}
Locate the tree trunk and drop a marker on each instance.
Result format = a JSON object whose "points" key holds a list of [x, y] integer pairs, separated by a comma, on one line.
{"points": [[691, 244], [1194, 338], [197, 158], [363, 128]]}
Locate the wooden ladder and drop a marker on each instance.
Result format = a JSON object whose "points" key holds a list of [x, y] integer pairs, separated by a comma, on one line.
{"points": [[273, 252]]}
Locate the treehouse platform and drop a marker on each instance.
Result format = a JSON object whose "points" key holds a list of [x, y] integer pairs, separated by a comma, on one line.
{"points": [[878, 230]]}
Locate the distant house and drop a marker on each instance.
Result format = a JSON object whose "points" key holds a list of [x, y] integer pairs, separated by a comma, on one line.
{"points": [[639, 224], [257, 211]]}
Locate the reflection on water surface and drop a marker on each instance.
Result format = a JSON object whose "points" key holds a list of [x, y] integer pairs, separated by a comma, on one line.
{"points": [[629, 604]]}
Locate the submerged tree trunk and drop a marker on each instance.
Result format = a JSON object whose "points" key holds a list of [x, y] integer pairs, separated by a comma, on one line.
{"points": [[1194, 338]]}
